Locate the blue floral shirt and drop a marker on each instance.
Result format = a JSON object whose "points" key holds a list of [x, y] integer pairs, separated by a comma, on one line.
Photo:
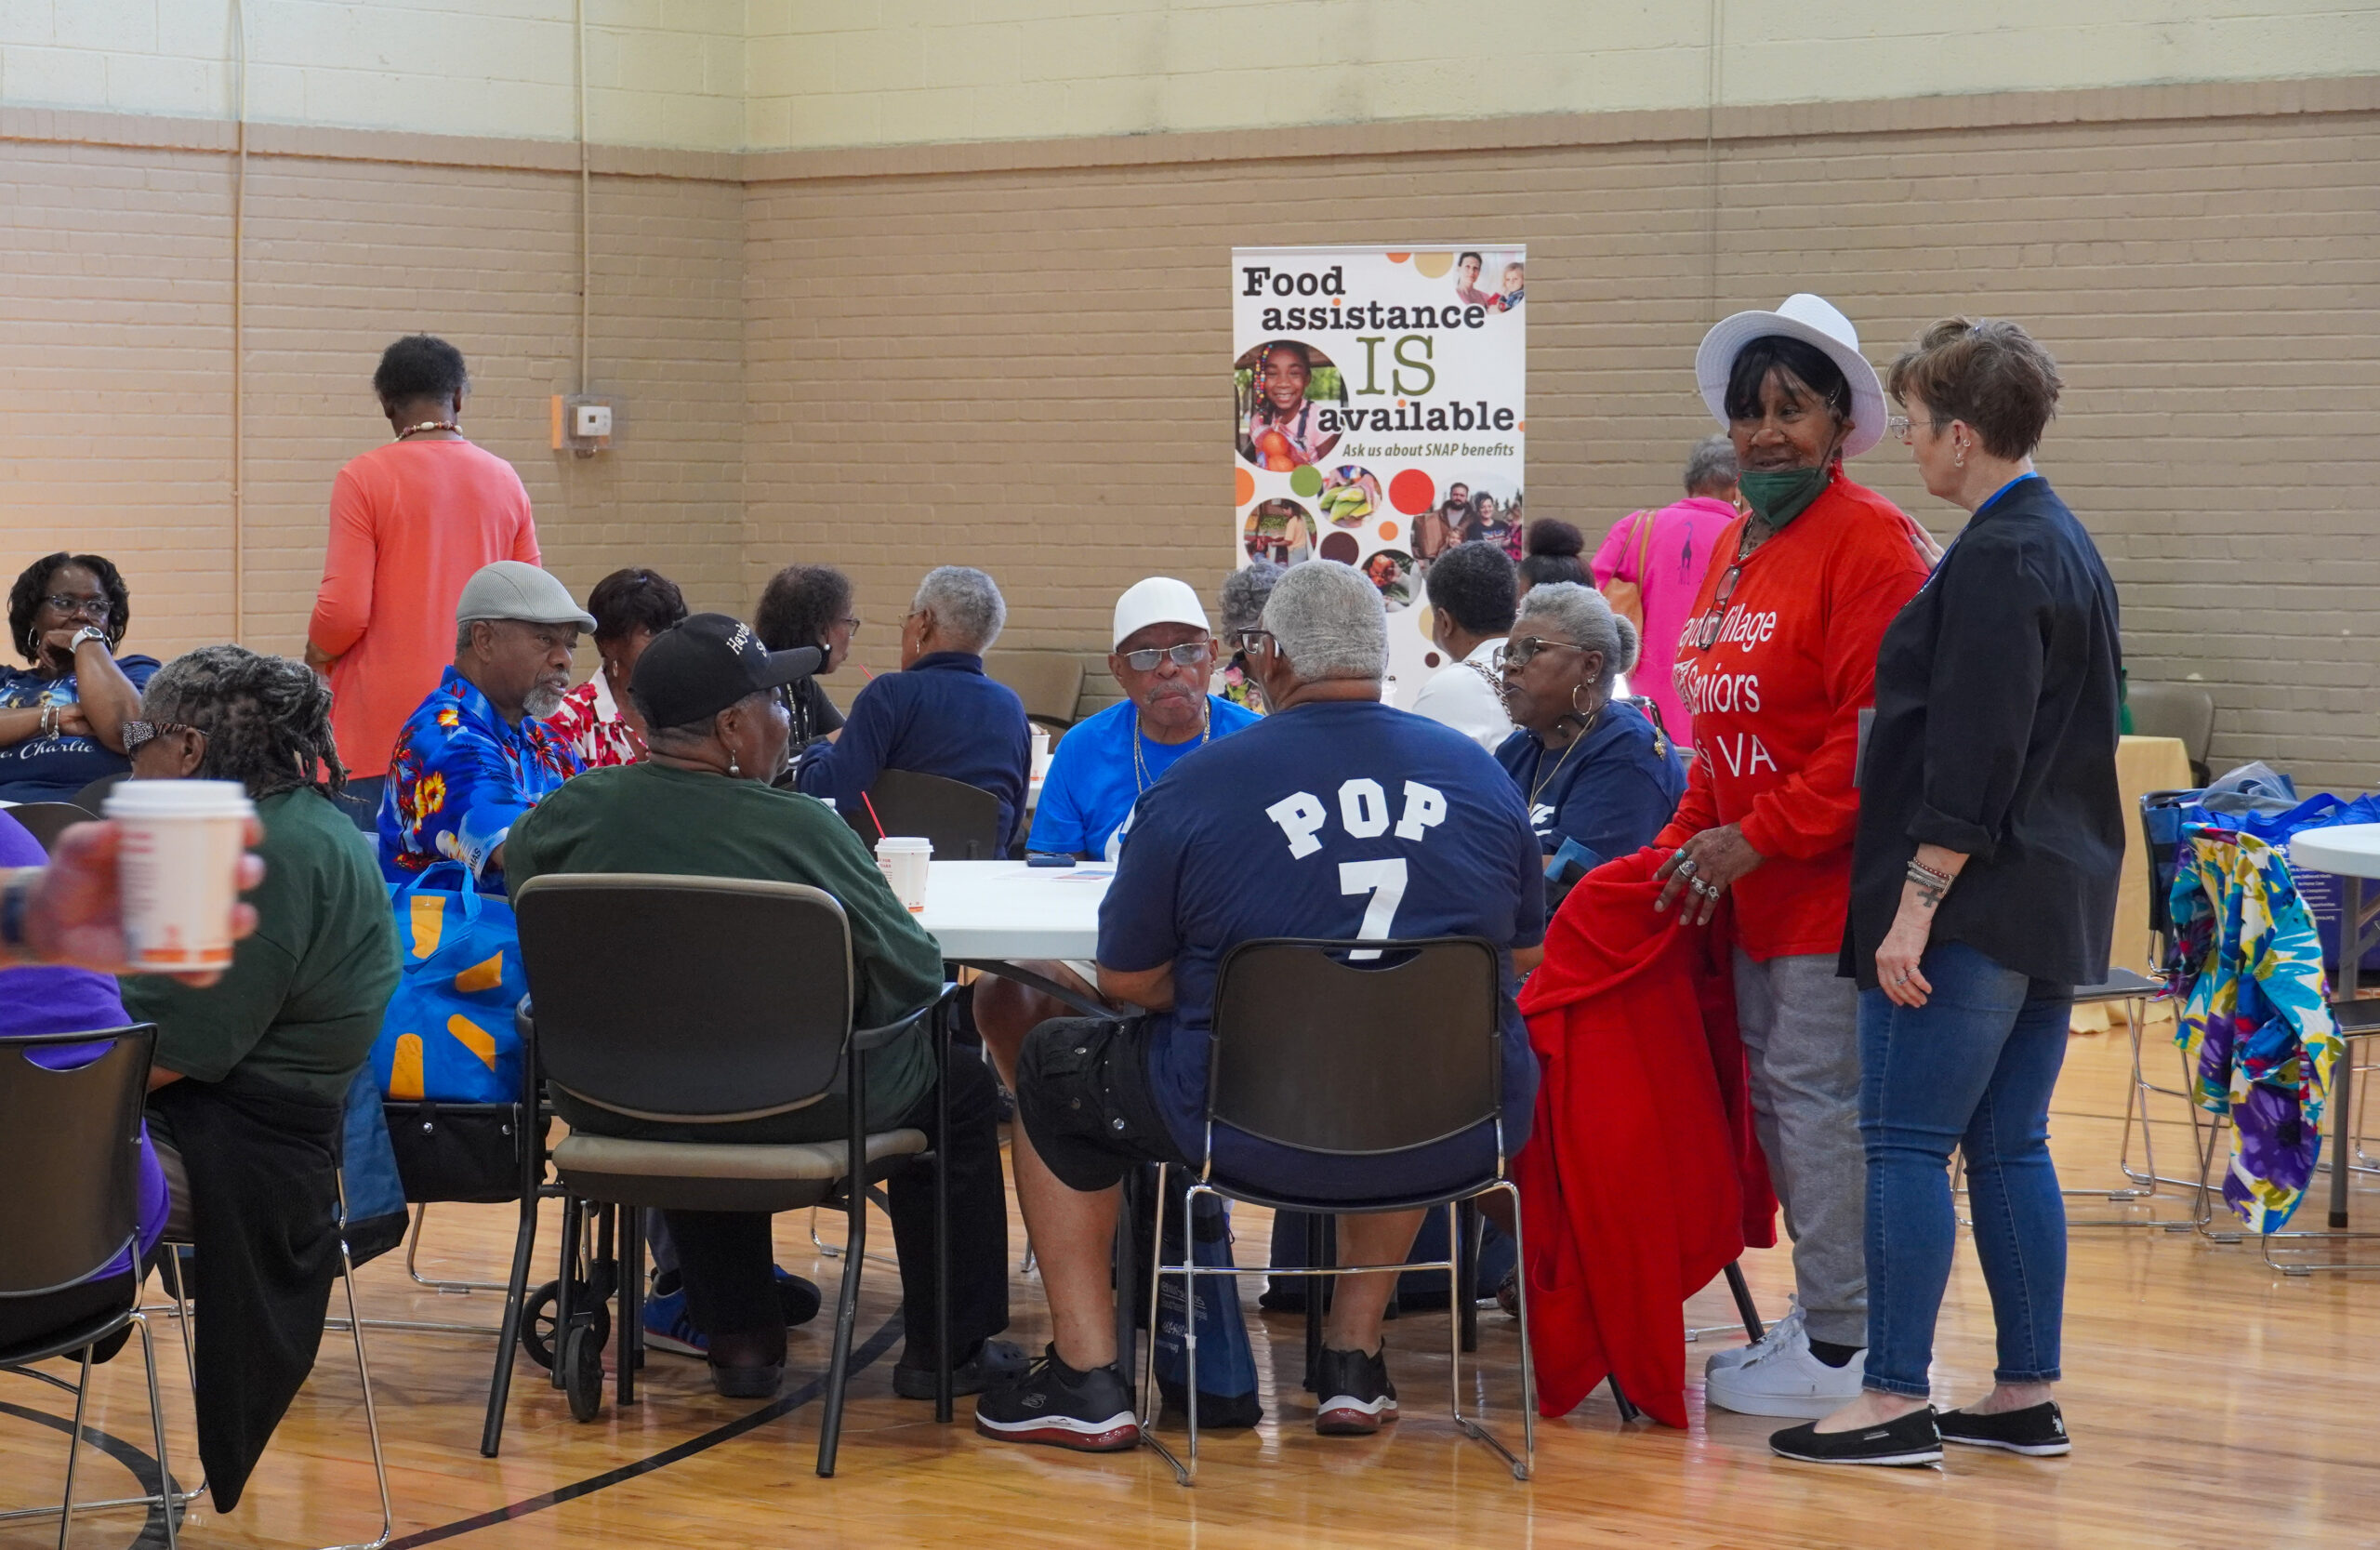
{"points": [[460, 777]]}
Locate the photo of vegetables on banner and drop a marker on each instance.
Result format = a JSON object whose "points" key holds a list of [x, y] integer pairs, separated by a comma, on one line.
{"points": [[1379, 413]]}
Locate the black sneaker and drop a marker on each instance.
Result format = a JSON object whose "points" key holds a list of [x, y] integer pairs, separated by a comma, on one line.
{"points": [[995, 1364], [2037, 1431], [1912, 1440], [1353, 1393], [1058, 1406]]}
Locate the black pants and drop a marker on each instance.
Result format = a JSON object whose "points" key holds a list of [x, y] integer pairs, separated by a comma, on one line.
{"points": [[724, 1257]]}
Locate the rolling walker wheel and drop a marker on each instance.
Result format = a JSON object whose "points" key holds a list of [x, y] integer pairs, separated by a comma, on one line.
{"points": [[582, 1378], [537, 1321]]}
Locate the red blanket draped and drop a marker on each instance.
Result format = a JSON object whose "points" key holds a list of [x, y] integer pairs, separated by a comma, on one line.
{"points": [[1642, 1180]]}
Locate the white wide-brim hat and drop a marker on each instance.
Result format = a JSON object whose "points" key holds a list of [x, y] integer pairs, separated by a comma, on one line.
{"points": [[1812, 320]]}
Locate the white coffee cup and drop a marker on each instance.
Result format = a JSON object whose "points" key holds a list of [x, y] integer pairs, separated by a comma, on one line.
{"points": [[1040, 751], [179, 869], [903, 859]]}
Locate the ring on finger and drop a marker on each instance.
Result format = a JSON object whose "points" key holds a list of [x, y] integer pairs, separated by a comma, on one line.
{"points": [[1687, 867]]}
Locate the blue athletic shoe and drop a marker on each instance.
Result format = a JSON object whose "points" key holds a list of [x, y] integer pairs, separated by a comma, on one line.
{"points": [[668, 1327]]}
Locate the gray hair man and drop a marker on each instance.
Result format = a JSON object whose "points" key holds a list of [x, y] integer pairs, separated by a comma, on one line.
{"points": [[1710, 468], [1335, 817], [940, 715]]}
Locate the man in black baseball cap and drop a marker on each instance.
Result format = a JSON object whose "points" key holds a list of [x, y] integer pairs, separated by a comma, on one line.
{"points": [[700, 804]]}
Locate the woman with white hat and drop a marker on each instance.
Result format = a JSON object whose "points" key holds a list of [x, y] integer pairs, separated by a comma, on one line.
{"points": [[1778, 661]]}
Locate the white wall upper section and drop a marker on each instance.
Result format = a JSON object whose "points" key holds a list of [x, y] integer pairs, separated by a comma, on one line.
{"points": [[772, 75]]}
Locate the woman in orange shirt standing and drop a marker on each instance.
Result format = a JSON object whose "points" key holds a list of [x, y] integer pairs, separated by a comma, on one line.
{"points": [[410, 523]]}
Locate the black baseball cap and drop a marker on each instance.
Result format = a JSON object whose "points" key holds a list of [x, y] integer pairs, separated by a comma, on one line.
{"points": [[699, 667]]}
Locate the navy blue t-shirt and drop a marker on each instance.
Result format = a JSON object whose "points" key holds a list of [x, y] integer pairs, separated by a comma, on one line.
{"points": [[1342, 820], [939, 716], [54, 769], [1609, 794]]}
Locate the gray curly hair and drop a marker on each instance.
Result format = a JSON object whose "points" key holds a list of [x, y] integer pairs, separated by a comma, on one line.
{"points": [[966, 603], [1244, 593], [266, 719], [1581, 615], [1329, 622]]}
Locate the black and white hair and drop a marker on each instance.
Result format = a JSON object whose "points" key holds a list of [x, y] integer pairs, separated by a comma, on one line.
{"points": [[1474, 585], [1710, 466], [1329, 621], [266, 719], [1243, 595], [967, 604], [1581, 615]]}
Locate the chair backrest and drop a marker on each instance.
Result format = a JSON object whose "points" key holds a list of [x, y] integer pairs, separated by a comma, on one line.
{"points": [[1049, 683], [2183, 710], [962, 821], [688, 998], [47, 820], [93, 798], [1314, 1052], [2161, 836], [70, 1152]]}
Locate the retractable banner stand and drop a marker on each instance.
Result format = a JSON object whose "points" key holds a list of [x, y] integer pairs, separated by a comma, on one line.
{"points": [[1381, 413]]}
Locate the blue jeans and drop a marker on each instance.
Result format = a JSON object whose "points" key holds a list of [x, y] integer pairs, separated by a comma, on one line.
{"points": [[1974, 1067]]}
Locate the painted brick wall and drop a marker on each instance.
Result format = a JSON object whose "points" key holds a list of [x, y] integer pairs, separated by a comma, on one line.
{"points": [[1023, 368]]}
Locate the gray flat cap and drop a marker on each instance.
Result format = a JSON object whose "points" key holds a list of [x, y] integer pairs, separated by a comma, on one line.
{"points": [[511, 590]]}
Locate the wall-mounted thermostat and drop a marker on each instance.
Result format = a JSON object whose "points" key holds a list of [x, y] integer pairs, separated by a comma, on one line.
{"points": [[582, 424]]}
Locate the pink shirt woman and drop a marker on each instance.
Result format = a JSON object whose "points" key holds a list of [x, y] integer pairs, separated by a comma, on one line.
{"points": [[1675, 556]]}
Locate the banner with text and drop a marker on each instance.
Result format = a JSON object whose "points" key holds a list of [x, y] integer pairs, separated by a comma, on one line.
{"points": [[1382, 407]]}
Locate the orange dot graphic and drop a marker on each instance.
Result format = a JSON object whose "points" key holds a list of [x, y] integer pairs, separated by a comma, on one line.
{"points": [[1388, 530], [1243, 487], [1399, 257], [1412, 492]]}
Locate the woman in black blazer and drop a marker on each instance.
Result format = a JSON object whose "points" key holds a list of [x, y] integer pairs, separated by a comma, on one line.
{"points": [[1983, 890]]}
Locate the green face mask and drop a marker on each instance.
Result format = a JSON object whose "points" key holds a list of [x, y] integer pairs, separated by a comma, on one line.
{"points": [[1777, 496]]}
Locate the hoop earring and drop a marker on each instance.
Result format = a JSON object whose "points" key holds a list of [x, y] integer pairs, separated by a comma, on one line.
{"points": [[1575, 709]]}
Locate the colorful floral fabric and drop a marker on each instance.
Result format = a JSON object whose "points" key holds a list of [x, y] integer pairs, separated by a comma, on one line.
{"points": [[460, 777], [591, 724], [2256, 1024]]}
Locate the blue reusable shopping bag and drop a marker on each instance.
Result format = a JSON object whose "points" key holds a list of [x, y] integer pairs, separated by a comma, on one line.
{"points": [[1227, 1364], [448, 1034]]}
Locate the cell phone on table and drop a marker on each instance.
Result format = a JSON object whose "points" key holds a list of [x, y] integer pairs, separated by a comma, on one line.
{"points": [[1049, 858]]}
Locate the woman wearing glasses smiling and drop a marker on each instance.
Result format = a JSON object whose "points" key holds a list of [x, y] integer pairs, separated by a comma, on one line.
{"points": [[1778, 661], [62, 721]]}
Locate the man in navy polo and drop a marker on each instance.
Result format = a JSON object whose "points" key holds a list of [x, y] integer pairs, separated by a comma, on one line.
{"points": [[1335, 816]]}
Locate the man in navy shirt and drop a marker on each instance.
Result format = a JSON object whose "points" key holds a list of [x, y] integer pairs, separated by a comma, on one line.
{"points": [[1335, 816], [939, 715]]}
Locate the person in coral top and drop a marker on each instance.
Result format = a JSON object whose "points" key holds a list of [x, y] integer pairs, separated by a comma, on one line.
{"points": [[410, 523], [1776, 660]]}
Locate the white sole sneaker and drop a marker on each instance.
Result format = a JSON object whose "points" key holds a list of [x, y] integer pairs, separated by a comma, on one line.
{"points": [[1790, 1383]]}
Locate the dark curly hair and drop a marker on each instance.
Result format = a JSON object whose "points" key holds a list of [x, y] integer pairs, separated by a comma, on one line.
{"points": [[417, 367], [1473, 584], [266, 719], [1553, 548], [626, 601], [33, 585], [800, 602]]}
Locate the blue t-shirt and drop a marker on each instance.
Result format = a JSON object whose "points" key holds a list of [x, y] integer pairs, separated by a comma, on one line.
{"points": [[939, 716], [1607, 795], [53, 769], [1343, 820], [1093, 784]]}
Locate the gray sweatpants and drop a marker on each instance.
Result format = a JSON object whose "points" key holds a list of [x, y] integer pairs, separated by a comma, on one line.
{"points": [[1800, 1031]]}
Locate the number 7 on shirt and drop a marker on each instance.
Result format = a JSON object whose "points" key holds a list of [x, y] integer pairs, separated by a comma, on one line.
{"points": [[1384, 881]]}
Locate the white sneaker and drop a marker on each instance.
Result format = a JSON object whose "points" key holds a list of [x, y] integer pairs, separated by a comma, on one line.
{"points": [[1776, 1334], [1786, 1380]]}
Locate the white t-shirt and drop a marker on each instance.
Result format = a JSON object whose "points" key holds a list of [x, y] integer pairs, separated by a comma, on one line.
{"points": [[1464, 697]]}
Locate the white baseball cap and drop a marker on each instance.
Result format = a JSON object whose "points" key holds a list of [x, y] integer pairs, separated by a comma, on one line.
{"points": [[1159, 600], [1814, 321]]}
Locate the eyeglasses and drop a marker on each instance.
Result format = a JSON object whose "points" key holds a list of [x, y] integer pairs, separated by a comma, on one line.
{"points": [[1899, 426], [1244, 641], [97, 608], [1706, 630], [1519, 651], [1187, 655], [851, 620], [138, 733]]}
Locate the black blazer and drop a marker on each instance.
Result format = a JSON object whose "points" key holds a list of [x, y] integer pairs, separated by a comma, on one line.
{"points": [[1995, 736]]}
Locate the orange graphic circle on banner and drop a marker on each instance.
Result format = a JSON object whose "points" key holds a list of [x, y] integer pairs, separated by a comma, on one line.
{"points": [[1243, 487], [1399, 257], [1412, 492], [1388, 530], [1429, 266]]}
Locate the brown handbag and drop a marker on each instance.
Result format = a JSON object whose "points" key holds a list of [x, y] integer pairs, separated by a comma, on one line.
{"points": [[1626, 597]]}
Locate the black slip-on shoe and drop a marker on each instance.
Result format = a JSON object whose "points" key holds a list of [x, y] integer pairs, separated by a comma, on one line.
{"points": [[2037, 1431], [1353, 1393], [1912, 1440], [1055, 1405], [995, 1364], [747, 1383], [798, 1297]]}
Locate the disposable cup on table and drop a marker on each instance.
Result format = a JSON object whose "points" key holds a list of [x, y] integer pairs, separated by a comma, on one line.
{"points": [[1040, 751], [904, 859], [179, 867]]}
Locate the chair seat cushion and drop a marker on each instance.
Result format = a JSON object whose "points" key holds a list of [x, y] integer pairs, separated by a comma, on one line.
{"points": [[694, 1175]]}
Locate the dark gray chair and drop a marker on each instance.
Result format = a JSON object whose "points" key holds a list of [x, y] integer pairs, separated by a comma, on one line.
{"points": [[70, 1150], [93, 798], [1395, 1054], [47, 820], [696, 1000], [964, 821]]}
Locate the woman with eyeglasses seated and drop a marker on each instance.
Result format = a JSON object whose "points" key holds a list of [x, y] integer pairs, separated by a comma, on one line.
{"points": [[1599, 778], [1778, 661], [61, 719], [810, 606]]}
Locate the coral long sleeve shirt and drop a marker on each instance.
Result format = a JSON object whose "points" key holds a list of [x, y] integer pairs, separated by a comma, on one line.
{"points": [[410, 522], [1776, 702]]}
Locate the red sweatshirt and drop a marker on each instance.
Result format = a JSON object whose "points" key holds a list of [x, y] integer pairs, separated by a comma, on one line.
{"points": [[1776, 703]]}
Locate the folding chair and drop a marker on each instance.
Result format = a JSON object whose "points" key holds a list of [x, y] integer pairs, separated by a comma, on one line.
{"points": [[962, 821], [47, 820]]}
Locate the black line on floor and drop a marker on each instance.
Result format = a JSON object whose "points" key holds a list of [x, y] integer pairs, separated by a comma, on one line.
{"points": [[865, 1355], [144, 1469]]}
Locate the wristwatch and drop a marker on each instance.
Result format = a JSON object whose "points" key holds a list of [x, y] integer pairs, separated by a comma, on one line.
{"points": [[88, 633]]}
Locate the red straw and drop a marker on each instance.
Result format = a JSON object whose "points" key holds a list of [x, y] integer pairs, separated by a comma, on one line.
{"points": [[881, 830]]}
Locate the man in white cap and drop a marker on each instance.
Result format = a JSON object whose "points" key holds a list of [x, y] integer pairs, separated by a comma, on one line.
{"points": [[477, 753]]}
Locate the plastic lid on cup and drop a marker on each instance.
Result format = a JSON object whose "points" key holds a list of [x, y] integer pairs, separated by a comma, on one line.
{"points": [[900, 844], [178, 799]]}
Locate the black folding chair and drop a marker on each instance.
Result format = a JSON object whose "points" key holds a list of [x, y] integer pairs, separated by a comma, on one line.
{"points": [[698, 1000], [47, 820], [70, 1150], [962, 821], [1386, 1057]]}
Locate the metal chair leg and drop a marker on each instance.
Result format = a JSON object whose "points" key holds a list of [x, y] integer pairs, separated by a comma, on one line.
{"points": [[1745, 1306], [157, 1430], [626, 1343], [363, 1376], [508, 1339], [831, 1428], [565, 1305], [1470, 1231], [73, 1447]]}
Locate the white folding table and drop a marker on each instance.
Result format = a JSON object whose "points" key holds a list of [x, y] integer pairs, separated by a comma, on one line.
{"points": [[991, 913], [2351, 854]]}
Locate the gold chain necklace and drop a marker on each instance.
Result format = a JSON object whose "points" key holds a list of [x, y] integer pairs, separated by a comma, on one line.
{"points": [[1547, 779], [1142, 780]]}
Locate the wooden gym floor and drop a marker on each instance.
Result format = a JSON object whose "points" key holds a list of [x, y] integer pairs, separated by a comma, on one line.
{"points": [[2214, 1402]]}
